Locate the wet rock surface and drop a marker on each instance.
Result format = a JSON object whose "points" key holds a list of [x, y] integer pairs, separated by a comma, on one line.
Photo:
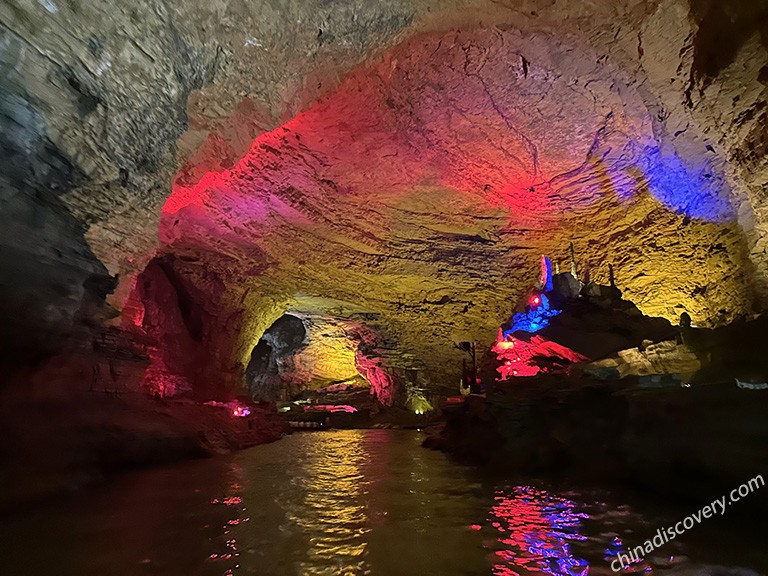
{"points": [[691, 444], [668, 357]]}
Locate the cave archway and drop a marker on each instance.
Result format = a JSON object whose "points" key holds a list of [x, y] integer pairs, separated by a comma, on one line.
{"points": [[308, 351], [425, 168], [272, 357]]}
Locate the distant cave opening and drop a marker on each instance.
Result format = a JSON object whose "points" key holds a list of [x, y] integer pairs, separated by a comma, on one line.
{"points": [[306, 354], [276, 347]]}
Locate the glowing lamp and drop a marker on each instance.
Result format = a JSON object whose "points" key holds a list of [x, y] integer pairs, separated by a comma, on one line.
{"points": [[241, 411]]}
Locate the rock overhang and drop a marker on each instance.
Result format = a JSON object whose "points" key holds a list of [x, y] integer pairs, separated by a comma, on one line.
{"points": [[426, 186]]}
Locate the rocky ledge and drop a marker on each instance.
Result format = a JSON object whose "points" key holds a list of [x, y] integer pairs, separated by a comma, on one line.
{"points": [[695, 437], [64, 444]]}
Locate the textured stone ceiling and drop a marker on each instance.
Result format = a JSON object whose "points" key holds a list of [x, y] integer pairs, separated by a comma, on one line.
{"points": [[400, 166]]}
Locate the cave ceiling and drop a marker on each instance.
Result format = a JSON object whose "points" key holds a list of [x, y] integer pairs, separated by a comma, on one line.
{"points": [[401, 166]]}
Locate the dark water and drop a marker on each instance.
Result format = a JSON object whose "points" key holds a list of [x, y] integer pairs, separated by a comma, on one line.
{"points": [[354, 502]]}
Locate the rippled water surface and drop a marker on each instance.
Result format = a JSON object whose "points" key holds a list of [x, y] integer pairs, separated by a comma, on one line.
{"points": [[350, 502]]}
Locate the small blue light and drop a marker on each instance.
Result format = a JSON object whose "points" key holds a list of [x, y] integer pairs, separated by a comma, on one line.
{"points": [[534, 319]]}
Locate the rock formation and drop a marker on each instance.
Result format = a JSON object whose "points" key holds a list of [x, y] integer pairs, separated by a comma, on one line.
{"points": [[667, 357]]}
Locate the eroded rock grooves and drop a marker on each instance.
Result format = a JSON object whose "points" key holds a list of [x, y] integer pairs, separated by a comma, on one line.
{"points": [[394, 169]]}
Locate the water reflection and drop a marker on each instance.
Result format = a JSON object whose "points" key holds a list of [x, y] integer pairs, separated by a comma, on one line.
{"points": [[536, 530], [332, 508], [309, 513], [235, 517], [345, 503]]}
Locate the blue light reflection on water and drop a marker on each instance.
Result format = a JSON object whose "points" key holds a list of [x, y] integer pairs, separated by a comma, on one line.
{"points": [[536, 530]]}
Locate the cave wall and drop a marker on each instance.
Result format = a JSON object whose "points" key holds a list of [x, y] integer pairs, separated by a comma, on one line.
{"points": [[51, 283], [407, 189], [444, 190], [176, 304], [312, 351]]}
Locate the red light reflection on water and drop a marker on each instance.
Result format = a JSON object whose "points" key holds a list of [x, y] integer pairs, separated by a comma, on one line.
{"points": [[228, 501], [236, 511], [536, 530]]}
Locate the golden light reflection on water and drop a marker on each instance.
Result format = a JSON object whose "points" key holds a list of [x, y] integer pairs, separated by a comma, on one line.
{"points": [[332, 509], [355, 502], [306, 517]]}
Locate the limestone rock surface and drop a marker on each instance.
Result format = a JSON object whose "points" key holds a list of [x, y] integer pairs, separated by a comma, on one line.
{"points": [[404, 163], [668, 357]]}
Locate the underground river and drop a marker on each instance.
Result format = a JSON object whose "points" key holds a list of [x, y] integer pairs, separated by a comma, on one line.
{"points": [[357, 502]]}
